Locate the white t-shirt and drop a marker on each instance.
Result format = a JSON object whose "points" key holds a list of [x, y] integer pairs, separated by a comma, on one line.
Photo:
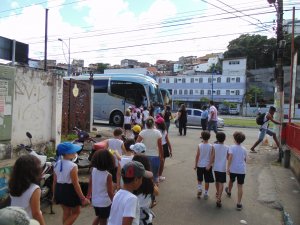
{"points": [[205, 151], [138, 120], [164, 135], [127, 119], [24, 200], [266, 122], [221, 151], [238, 164], [100, 196], [64, 177], [213, 113], [150, 137], [116, 145], [125, 159], [145, 114], [125, 204]]}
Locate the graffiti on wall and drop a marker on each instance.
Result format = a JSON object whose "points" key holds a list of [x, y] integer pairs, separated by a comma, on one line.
{"points": [[33, 94]]}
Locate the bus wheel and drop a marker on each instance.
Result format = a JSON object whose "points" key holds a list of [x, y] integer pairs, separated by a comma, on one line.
{"points": [[117, 118]]}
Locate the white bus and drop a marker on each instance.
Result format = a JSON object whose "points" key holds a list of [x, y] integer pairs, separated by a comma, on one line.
{"points": [[114, 93]]}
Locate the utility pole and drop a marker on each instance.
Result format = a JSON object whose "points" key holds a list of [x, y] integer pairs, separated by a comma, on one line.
{"points": [[279, 74], [46, 40]]}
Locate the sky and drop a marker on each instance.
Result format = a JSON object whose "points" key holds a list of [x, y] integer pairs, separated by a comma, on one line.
{"points": [[107, 31]]}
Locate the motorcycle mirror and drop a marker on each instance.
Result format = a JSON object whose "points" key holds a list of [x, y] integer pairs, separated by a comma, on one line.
{"points": [[28, 135]]}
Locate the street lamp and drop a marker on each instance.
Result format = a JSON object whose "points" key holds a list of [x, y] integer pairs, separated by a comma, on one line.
{"points": [[68, 47]]}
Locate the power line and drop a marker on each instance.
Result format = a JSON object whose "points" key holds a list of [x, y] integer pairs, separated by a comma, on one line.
{"points": [[155, 43], [151, 28]]}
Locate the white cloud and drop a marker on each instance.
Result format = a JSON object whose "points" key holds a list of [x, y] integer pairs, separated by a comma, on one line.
{"points": [[14, 5], [114, 16]]}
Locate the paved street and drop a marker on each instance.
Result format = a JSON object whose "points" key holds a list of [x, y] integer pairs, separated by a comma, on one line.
{"points": [[268, 187]]}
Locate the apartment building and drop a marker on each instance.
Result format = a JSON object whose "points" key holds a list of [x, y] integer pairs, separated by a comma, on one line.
{"points": [[229, 86]]}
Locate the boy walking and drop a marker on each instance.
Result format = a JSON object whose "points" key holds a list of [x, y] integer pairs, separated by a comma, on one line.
{"points": [[221, 152], [125, 208], [264, 129], [203, 164], [237, 166]]}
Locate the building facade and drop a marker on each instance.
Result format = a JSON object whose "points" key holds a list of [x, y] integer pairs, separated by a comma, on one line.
{"points": [[230, 86]]}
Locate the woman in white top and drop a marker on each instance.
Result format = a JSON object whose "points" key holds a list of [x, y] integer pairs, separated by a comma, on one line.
{"points": [[152, 139], [101, 185], [24, 186]]}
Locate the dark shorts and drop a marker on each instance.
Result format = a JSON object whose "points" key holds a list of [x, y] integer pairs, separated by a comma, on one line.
{"points": [[208, 175], [102, 212], [166, 150], [127, 126], [240, 178], [220, 177], [66, 195], [113, 173]]}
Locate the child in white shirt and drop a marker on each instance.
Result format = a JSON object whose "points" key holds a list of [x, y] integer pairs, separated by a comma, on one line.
{"points": [[101, 185], [125, 208], [203, 164], [221, 153], [237, 166]]}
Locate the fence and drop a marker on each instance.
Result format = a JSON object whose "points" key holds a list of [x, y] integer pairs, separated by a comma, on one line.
{"points": [[291, 134]]}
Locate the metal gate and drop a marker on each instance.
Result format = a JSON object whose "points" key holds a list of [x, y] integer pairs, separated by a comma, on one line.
{"points": [[76, 110]]}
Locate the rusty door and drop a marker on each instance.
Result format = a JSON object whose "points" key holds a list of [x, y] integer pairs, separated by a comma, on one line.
{"points": [[76, 109]]}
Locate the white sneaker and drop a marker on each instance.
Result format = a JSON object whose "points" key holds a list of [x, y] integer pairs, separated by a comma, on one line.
{"points": [[205, 196], [161, 178]]}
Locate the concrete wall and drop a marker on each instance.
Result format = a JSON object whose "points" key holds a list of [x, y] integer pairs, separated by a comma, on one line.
{"points": [[37, 107]]}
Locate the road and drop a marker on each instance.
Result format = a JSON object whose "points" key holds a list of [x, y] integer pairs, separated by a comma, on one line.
{"points": [[265, 188]]}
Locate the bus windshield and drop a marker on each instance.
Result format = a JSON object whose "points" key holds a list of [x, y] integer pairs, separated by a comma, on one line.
{"points": [[155, 95]]}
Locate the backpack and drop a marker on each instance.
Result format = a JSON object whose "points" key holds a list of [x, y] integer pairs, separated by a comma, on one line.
{"points": [[260, 118]]}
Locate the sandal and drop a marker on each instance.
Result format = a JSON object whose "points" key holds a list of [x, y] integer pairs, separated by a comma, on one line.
{"points": [[227, 192], [219, 203], [253, 151]]}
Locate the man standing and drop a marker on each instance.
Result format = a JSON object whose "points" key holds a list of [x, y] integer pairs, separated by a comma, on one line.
{"points": [[212, 117], [264, 129]]}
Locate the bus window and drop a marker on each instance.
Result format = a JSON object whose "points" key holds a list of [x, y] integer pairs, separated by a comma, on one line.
{"points": [[129, 91], [100, 86]]}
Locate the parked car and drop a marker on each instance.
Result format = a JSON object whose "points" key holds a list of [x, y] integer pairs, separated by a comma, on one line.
{"points": [[224, 111], [194, 118], [233, 111]]}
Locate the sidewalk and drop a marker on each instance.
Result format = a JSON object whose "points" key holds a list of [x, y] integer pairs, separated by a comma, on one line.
{"points": [[277, 186]]}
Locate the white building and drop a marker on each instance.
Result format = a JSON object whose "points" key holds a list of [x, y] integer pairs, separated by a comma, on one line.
{"points": [[229, 86]]}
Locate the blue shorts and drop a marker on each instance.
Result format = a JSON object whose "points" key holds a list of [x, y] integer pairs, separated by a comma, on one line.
{"points": [[263, 133], [155, 163]]}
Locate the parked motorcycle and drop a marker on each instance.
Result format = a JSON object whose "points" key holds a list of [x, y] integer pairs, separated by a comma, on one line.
{"points": [[47, 173], [82, 160]]}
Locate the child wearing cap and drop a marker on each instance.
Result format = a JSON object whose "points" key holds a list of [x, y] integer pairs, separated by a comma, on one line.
{"points": [[101, 185], [24, 186], [16, 216], [203, 164], [146, 192], [136, 129], [125, 207], [66, 188], [236, 167]]}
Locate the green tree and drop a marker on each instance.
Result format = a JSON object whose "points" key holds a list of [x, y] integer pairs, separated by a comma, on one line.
{"points": [[217, 68], [101, 67], [259, 50], [253, 94], [204, 100]]}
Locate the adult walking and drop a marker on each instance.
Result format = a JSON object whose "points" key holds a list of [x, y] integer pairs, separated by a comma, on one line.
{"points": [[152, 138], [182, 118], [264, 129], [204, 118], [212, 117]]}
